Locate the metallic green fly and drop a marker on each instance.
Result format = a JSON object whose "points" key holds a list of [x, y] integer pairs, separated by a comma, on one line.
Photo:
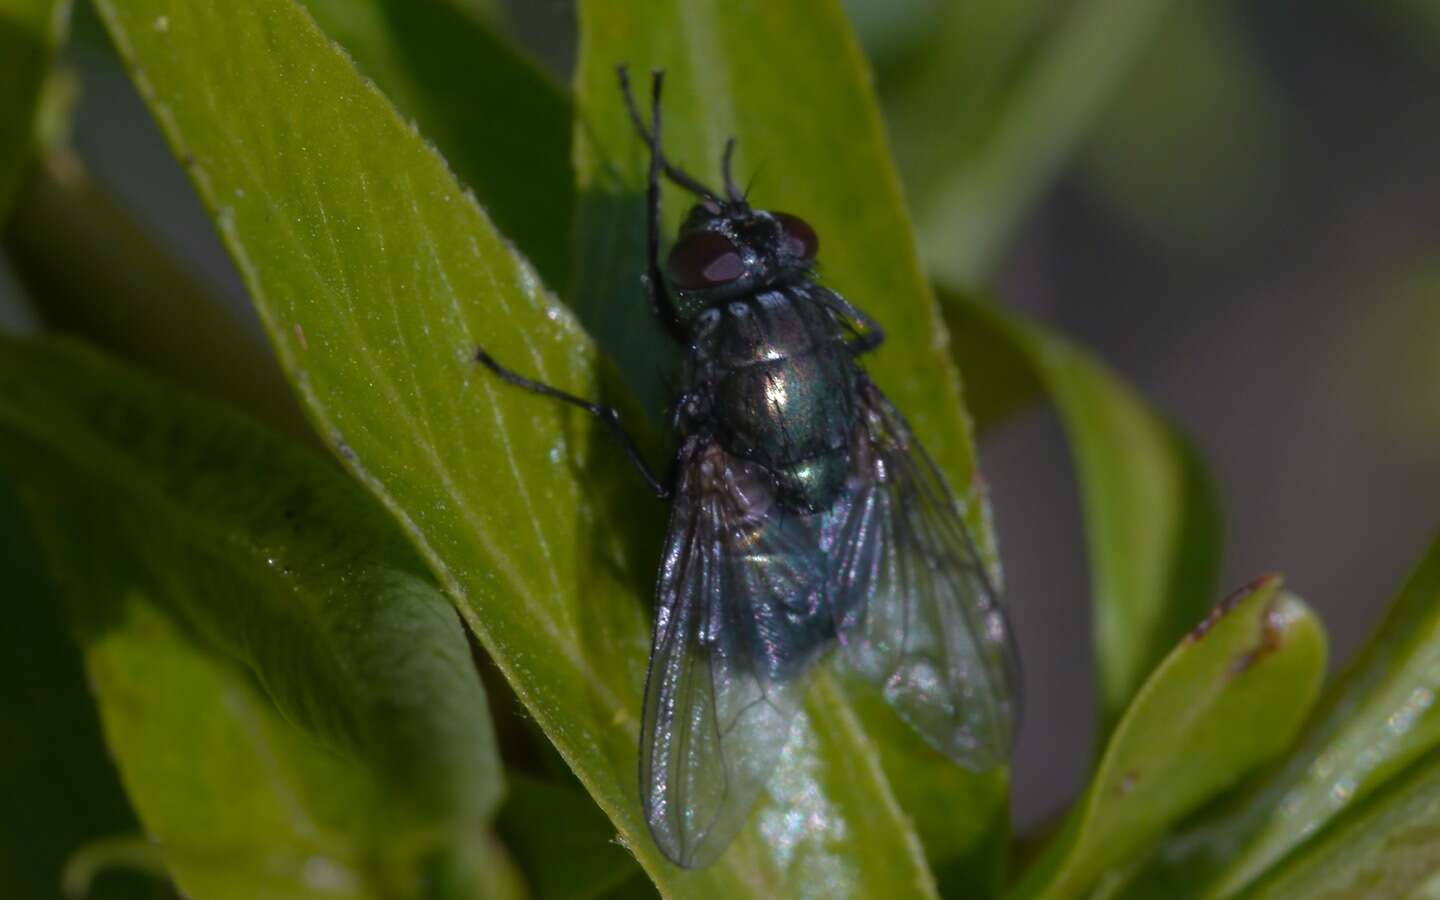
{"points": [[805, 516]]}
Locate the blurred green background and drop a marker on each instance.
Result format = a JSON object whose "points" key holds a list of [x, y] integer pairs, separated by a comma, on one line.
{"points": [[1241, 214]]}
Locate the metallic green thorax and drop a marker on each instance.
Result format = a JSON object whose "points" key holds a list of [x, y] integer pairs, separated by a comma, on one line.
{"points": [[782, 387]]}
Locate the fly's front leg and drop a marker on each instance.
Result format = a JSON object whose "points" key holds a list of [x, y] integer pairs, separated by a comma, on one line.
{"points": [[850, 314], [873, 337], [607, 415], [653, 278]]}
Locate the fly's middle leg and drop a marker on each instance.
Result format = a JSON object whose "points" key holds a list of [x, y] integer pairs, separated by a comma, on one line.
{"points": [[606, 415]]}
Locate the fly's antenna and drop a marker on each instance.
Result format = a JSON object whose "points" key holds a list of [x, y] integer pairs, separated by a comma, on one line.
{"points": [[725, 161], [651, 135]]}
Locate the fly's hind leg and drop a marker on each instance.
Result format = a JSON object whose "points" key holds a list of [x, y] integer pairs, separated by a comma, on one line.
{"points": [[606, 415]]}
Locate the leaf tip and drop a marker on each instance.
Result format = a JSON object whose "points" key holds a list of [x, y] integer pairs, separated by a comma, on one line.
{"points": [[1272, 631], [1268, 584]]}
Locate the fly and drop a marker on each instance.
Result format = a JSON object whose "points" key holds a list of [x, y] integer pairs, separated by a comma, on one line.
{"points": [[804, 516]]}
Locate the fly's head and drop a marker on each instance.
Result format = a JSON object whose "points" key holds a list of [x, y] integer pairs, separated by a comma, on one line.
{"points": [[727, 248]]}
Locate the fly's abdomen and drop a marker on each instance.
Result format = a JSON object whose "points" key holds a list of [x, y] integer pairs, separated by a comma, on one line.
{"points": [[785, 398], [784, 618]]}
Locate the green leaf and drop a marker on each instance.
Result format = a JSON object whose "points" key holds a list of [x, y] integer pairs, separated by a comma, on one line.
{"points": [[950, 88], [1230, 697], [500, 122], [58, 788], [987, 114], [136, 300], [1152, 523], [562, 840], [788, 82], [376, 275], [489, 12], [1154, 161], [1377, 720], [30, 32], [286, 697], [1386, 847]]}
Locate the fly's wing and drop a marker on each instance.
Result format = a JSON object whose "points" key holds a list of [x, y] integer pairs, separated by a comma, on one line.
{"points": [[915, 609], [739, 600]]}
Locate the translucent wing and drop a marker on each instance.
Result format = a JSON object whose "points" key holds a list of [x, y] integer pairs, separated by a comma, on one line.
{"points": [[916, 610], [740, 614]]}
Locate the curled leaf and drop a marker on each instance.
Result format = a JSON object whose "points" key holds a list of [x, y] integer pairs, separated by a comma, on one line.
{"points": [[1229, 697]]}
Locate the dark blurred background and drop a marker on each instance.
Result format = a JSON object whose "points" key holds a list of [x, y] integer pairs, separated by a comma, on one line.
{"points": [[1245, 224]]}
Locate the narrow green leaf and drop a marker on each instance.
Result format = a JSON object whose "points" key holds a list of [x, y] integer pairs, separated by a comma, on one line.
{"points": [[1152, 523], [30, 32], [1230, 697], [983, 132], [1386, 847], [277, 682], [788, 82], [953, 86], [1376, 721], [500, 122], [1201, 65], [376, 276]]}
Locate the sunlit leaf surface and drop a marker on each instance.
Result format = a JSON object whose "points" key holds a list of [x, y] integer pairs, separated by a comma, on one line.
{"points": [[376, 276], [498, 120], [1388, 846]]}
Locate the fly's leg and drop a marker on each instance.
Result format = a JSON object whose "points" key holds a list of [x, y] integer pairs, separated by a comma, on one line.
{"points": [[653, 278], [873, 337], [864, 341], [606, 415], [651, 136]]}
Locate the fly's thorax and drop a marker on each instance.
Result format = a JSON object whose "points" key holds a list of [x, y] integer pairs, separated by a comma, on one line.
{"points": [[782, 391], [768, 326]]}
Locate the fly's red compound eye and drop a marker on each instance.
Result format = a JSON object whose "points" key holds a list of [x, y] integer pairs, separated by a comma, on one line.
{"points": [[800, 239], [704, 259]]}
